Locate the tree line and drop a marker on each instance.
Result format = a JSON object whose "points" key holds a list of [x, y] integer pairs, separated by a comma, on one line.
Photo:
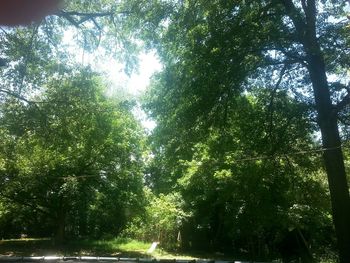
{"points": [[249, 155]]}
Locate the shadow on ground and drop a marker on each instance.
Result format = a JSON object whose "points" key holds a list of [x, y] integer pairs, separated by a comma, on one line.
{"points": [[100, 248], [46, 247]]}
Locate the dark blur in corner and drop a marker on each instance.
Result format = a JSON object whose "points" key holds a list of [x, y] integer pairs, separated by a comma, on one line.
{"points": [[24, 12]]}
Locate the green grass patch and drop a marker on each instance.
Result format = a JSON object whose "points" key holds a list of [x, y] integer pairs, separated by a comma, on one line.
{"points": [[130, 245], [119, 247], [116, 247]]}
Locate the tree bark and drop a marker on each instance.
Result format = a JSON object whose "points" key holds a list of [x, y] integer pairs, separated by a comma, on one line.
{"points": [[305, 26], [332, 154], [61, 226]]}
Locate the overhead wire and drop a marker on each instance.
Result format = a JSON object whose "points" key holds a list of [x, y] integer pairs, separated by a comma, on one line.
{"points": [[273, 156]]}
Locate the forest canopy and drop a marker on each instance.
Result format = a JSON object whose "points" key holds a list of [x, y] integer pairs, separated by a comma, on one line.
{"points": [[250, 151]]}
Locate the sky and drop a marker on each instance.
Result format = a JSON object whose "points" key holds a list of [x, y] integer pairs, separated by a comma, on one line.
{"points": [[138, 81], [135, 84]]}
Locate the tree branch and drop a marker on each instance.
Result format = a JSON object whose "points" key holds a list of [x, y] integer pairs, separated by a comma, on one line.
{"points": [[23, 202], [18, 96], [310, 15], [69, 15], [296, 17], [292, 56], [272, 98], [28, 57], [69, 18], [82, 14], [343, 103], [343, 120]]}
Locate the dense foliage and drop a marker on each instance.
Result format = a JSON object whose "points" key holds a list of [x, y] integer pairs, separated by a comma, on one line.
{"points": [[217, 52], [249, 155], [72, 162], [250, 196], [71, 157]]}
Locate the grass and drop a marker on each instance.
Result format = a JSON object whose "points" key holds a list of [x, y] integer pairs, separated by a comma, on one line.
{"points": [[115, 247], [118, 247]]}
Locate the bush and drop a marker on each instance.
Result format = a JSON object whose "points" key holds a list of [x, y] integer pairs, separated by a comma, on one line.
{"points": [[162, 221]]}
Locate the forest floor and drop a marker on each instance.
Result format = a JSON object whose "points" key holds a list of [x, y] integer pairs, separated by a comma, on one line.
{"points": [[116, 247]]}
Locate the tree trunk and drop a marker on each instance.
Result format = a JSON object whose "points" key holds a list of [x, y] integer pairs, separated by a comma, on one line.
{"points": [[305, 25], [332, 155], [61, 226]]}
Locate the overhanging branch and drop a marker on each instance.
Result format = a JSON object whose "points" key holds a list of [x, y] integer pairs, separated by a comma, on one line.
{"points": [[18, 96], [78, 18], [25, 203]]}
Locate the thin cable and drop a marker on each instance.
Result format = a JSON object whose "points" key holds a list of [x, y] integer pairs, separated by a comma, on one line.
{"points": [[266, 157], [287, 154]]}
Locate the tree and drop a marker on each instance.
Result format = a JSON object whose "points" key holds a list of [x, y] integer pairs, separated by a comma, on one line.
{"points": [[162, 221], [214, 51], [251, 203], [30, 54], [247, 194], [71, 158]]}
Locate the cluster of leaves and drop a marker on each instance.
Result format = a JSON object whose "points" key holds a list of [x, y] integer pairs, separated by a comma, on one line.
{"points": [[72, 161], [238, 118], [162, 222], [248, 195], [70, 156], [238, 104]]}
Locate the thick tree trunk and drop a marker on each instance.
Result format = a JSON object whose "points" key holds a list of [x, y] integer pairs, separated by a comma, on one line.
{"points": [[332, 155], [305, 25], [61, 226]]}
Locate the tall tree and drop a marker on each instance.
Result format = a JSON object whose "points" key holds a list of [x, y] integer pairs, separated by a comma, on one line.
{"points": [[72, 157], [28, 55], [214, 50], [59, 131]]}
